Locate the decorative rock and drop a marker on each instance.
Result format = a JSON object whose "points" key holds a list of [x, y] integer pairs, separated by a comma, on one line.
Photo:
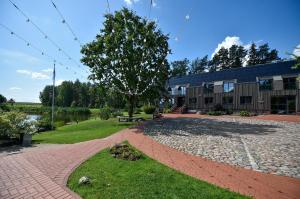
{"points": [[84, 180]]}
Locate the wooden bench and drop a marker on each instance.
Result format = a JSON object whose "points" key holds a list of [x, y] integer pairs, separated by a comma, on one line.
{"points": [[130, 119]]}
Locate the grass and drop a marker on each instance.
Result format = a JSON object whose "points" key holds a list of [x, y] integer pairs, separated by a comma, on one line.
{"points": [[83, 131], [145, 178]]}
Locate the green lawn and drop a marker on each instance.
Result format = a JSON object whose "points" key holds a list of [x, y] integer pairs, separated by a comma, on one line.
{"points": [[83, 131], [145, 178]]}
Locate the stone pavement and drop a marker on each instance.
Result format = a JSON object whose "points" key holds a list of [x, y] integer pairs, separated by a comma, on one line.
{"points": [[42, 172]]}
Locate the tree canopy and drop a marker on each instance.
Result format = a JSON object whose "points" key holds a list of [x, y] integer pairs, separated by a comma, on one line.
{"points": [[180, 67], [199, 65], [2, 99], [129, 56]]}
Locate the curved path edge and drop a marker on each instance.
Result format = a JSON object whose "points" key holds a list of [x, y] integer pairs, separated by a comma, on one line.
{"points": [[43, 173]]}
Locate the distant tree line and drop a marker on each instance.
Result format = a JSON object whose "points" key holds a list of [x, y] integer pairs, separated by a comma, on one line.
{"points": [[234, 57], [81, 94]]}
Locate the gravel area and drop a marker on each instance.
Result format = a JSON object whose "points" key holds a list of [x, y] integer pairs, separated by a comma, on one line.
{"points": [[267, 146]]}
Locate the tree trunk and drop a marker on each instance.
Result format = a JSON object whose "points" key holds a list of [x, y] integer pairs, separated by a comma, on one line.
{"points": [[131, 103]]}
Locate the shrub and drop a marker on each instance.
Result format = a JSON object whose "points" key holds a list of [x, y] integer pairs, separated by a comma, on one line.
{"points": [[125, 152], [13, 124], [167, 110], [43, 124], [244, 114], [137, 111], [229, 112], [218, 107], [148, 109], [104, 113], [4, 107], [215, 113], [117, 113]]}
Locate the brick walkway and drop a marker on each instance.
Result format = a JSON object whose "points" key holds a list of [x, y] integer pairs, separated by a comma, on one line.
{"points": [[43, 172], [279, 118]]}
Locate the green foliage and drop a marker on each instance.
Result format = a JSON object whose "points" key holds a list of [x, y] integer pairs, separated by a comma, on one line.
{"points": [[218, 107], [125, 152], [199, 65], [145, 178], [44, 124], [2, 99], [262, 55], [12, 124], [4, 107], [149, 109], [117, 113], [180, 68], [105, 113], [215, 113], [244, 113], [129, 55]]}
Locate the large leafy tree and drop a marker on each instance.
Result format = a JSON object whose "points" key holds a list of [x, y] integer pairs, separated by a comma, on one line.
{"points": [[180, 67], [199, 65], [128, 56]]}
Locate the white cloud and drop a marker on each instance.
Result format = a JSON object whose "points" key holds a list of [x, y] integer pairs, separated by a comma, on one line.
{"points": [[297, 50], [154, 4], [48, 70], [34, 75], [227, 43], [58, 82], [26, 72], [15, 88], [37, 75], [187, 17], [176, 39], [130, 2]]}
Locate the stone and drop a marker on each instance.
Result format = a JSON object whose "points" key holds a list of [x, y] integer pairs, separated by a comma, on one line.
{"points": [[84, 180]]}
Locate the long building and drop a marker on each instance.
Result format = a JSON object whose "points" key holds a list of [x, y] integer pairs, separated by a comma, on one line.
{"points": [[270, 88]]}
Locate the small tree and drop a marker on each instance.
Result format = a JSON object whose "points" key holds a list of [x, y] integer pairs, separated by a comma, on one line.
{"points": [[2, 99], [11, 101], [199, 65], [128, 56]]}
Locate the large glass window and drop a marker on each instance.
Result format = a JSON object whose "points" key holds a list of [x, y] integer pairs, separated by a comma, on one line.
{"points": [[208, 100], [228, 87], [265, 84], [208, 88], [245, 99], [228, 100], [289, 83]]}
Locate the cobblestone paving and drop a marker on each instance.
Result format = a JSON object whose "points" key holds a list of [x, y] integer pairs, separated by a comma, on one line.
{"points": [[274, 147]]}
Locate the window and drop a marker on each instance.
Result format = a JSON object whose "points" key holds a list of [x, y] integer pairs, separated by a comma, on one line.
{"points": [[289, 83], [228, 87], [228, 100], [265, 84], [193, 100], [181, 90], [208, 100], [208, 88], [245, 99]]}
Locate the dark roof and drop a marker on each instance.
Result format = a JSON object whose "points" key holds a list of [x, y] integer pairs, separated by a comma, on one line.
{"points": [[243, 74]]}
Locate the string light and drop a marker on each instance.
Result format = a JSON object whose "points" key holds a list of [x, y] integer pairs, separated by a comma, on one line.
{"points": [[29, 44], [46, 36], [64, 21]]}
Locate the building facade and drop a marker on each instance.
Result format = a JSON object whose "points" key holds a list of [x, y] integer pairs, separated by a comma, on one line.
{"points": [[271, 88]]}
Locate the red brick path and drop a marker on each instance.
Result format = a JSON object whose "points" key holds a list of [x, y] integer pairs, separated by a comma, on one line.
{"points": [[43, 172]]}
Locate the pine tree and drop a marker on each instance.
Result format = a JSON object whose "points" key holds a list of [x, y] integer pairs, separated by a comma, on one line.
{"points": [[180, 67], [236, 56], [252, 55], [199, 65], [263, 53]]}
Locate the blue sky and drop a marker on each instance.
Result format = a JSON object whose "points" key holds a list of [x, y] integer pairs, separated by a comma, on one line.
{"points": [[196, 28]]}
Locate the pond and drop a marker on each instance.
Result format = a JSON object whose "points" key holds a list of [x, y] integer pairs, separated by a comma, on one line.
{"points": [[61, 119]]}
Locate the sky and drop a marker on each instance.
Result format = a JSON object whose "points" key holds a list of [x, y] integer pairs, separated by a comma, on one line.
{"points": [[196, 28]]}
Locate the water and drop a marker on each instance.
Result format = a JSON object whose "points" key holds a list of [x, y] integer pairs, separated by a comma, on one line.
{"points": [[62, 118]]}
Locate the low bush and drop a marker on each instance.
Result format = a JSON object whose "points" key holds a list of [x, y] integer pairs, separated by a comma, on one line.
{"points": [[229, 112], [105, 113], [244, 113], [167, 110], [218, 107], [148, 109], [13, 124], [4, 107], [215, 113], [137, 111], [43, 124], [117, 113], [125, 152]]}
